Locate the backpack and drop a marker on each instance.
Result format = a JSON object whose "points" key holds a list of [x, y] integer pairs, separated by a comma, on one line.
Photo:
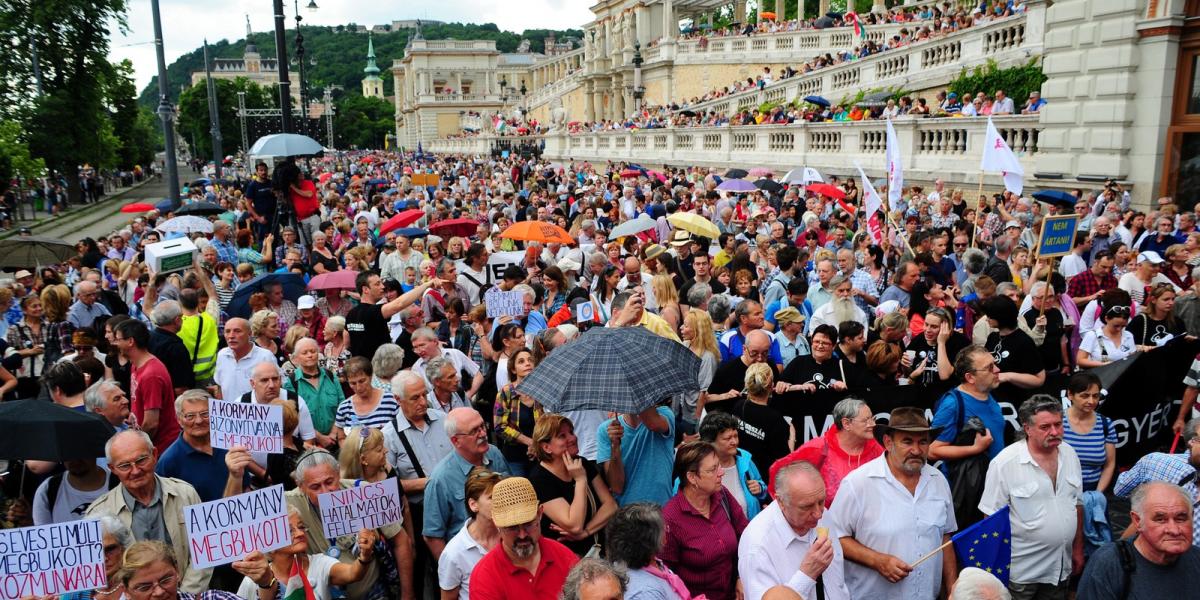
{"points": [[55, 483]]}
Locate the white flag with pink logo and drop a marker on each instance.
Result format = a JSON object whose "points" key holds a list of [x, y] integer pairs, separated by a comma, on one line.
{"points": [[895, 171], [997, 156], [872, 204]]}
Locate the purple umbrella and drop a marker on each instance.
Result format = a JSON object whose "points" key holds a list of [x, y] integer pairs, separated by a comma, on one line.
{"points": [[736, 185]]}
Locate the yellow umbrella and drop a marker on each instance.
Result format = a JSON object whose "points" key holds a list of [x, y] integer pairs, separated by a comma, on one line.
{"points": [[694, 223]]}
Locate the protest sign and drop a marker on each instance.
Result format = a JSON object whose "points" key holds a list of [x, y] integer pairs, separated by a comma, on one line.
{"points": [[253, 426], [584, 312], [365, 506], [496, 264], [500, 303], [51, 559], [225, 530], [1058, 235]]}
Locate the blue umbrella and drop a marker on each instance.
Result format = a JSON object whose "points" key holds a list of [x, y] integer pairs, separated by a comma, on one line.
{"points": [[622, 369], [203, 181], [1056, 197], [736, 185], [390, 191], [819, 101], [412, 232], [377, 181], [163, 205], [239, 305]]}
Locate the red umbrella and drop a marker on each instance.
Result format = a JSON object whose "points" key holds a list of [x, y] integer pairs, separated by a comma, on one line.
{"points": [[631, 173], [137, 207], [336, 280], [455, 227], [401, 219], [827, 190], [324, 177]]}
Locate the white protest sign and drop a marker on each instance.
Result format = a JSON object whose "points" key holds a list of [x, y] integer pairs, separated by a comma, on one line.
{"points": [[500, 303], [365, 506], [225, 530], [253, 426], [584, 312], [51, 559]]}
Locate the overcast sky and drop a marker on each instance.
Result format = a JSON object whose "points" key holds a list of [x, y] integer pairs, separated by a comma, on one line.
{"points": [[187, 22]]}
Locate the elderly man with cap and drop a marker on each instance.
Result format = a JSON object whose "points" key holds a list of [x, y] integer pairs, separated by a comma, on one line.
{"points": [[892, 511], [1147, 274], [524, 565], [789, 341]]}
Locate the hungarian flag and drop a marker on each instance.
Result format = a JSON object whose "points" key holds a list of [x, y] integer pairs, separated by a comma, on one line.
{"points": [[297, 587], [860, 32]]}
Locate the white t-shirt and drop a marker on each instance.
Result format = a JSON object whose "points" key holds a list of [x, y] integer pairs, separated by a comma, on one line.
{"points": [[1094, 342], [319, 566], [1137, 290], [70, 504], [459, 558]]}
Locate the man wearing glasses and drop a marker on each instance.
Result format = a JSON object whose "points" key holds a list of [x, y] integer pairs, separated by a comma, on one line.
{"points": [[148, 504], [524, 565], [445, 512], [85, 309], [192, 456]]}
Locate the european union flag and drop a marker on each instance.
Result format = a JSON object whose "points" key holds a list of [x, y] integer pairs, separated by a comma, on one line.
{"points": [[986, 545]]}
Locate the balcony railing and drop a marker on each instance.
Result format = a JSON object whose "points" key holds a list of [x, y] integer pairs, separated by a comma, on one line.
{"points": [[931, 147], [786, 46]]}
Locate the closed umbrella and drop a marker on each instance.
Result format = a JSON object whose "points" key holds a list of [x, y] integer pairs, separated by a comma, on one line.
{"points": [[736, 185], [34, 250], [39, 430], [285, 144], [401, 219], [621, 369], [694, 223], [455, 227], [186, 224], [538, 231], [335, 280], [200, 209], [239, 305], [633, 227]]}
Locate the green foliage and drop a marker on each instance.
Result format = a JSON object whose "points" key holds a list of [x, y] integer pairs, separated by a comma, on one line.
{"points": [[362, 122], [193, 113], [135, 136], [15, 160], [1017, 82], [336, 55]]}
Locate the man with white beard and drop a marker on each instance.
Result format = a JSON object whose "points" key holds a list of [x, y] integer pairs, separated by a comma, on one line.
{"points": [[839, 309]]}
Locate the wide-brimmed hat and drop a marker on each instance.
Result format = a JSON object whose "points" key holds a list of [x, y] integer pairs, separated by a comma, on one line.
{"points": [[680, 238], [788, 315], [908, 419], [655, 251], [514, 502]]}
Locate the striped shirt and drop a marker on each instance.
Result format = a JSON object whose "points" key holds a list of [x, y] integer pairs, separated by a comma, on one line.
{"points": [[1090, 446], [383, 414]]}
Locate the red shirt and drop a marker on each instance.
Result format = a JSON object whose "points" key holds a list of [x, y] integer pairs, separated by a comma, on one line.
{"points": [[495, 576], [305, 207], [152, 390]]}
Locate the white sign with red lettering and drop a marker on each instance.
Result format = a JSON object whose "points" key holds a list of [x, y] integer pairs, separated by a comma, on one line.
{"points": [[364, 506], [225, 530]]}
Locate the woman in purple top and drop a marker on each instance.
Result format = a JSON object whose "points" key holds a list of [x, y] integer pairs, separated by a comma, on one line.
{"points": [[703, 524]]}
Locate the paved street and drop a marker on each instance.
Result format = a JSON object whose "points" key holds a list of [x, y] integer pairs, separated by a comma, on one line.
{"points": [[88, 226]]}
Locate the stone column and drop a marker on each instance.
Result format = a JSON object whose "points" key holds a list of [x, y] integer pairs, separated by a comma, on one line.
{"points": [[780, 9], [589, 102], [824, 8], [618, 96], [670, 21], [878, 7], [739, 11]]}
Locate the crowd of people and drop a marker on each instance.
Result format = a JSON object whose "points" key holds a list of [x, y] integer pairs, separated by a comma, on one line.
{"points": [[712, 493]]}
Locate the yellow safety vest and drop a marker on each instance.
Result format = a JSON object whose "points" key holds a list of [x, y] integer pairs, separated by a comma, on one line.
{"points": [[204, 350]]}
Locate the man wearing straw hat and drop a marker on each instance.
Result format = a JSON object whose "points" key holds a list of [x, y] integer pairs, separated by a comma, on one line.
{"points": [[525, 565], [895, 514]]}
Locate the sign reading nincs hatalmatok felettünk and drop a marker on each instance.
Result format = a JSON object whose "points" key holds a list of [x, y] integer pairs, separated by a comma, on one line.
{"points": [[53, 559], [364, 506], [253, 426], [222, 531]]}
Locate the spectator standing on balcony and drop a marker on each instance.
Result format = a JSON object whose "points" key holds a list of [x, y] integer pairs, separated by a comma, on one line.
{"points": [[1003, 104], [1034, 105]]}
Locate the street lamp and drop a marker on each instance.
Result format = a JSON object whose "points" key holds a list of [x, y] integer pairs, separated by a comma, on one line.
{"points": [[503, 89], [312, 7], [281, 59], [166, 112], [638, 89]]}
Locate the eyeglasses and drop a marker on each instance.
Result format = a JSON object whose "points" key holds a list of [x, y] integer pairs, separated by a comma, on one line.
{"points": [[476, 430], [167, 583], [111, 548], [139, 462], [189, 417]]}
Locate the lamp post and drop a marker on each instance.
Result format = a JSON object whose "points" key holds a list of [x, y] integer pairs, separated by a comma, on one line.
{"points": [[638, 89], [503, 89], [304, 124], [285, 86], [214, 119], [523, 99], [166, 112]]}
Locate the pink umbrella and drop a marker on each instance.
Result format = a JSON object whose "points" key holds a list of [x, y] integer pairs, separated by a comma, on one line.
{"points": [[760, 172], [336, 280], [658, 176]]}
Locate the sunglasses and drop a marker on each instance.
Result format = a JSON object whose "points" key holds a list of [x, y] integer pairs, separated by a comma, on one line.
{"points": [[1117, 311]]}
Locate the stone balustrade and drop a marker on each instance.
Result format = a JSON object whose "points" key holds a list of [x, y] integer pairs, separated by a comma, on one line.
{"points": [[919, 66], [786, 46], [949, 148]]}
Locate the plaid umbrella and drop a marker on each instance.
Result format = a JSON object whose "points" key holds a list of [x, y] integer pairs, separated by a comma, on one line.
{"points": [[623, 369]]}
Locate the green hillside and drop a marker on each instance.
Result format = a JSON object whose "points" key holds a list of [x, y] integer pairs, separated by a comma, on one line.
{"points": [[340, 55]]}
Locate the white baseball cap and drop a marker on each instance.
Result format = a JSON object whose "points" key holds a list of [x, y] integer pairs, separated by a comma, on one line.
{"points": [[305, 302]]}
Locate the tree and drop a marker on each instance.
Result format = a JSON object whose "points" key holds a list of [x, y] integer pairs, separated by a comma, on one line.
{"points": [[68, 125], [15, 160], [136, 144], [362, 122], [193, 113]]}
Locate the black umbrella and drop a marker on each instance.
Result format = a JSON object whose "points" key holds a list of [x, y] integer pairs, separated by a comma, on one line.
{"points": [[736, 173], [819, 101], [239, 304], [40, 430], [1056, 197], [878, 97], [688, 113], [769, 185], [200, 209], [34, 250], [823, 23]]}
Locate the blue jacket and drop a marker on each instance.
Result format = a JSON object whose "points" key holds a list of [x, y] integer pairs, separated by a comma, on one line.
{"points": [[746, 469]]}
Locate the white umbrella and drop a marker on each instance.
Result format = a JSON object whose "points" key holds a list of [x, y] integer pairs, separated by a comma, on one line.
{"points": [[802, 176], [285, 144], [633, 227], [186, 224]]}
